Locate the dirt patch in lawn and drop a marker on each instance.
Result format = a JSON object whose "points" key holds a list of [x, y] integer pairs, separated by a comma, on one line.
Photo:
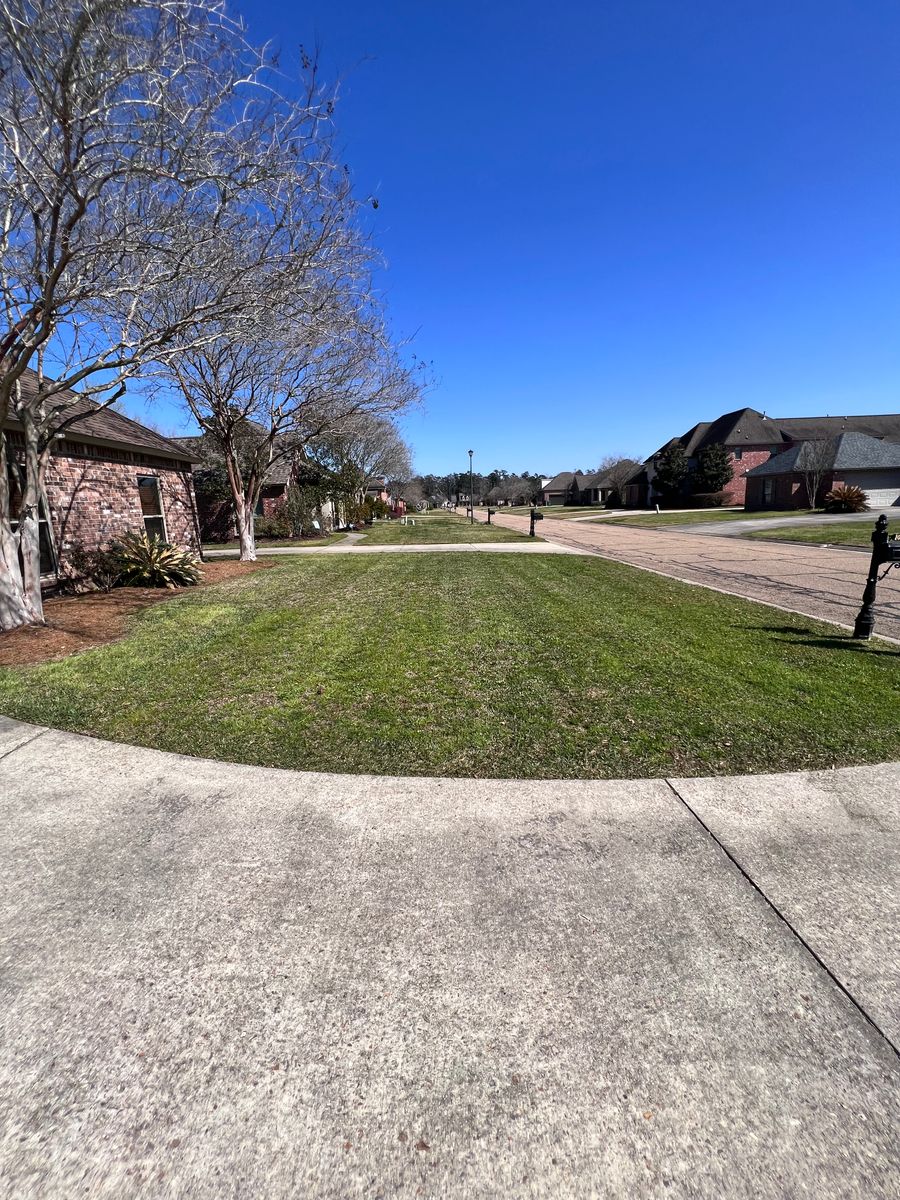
{"points": [[76, 623]]}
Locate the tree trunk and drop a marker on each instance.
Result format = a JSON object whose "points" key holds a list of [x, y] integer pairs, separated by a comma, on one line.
{"points": [[246, 532], [20, 574]]}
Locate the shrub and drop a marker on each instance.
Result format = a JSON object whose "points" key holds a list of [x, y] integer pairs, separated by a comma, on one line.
{"points": [[710, 499], [149, 562], [271, 527], [846, 498], [101, 569]]}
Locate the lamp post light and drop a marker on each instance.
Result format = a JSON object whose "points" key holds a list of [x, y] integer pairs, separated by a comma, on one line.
{"points": [[471, 492]]}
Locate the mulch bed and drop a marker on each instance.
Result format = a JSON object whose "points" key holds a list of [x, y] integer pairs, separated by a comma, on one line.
{"points": [[76, 623]]}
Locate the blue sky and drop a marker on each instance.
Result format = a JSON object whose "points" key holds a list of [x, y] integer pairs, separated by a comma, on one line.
{"points": [[606, 221]]}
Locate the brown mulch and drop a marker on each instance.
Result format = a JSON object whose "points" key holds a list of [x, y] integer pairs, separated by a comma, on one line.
{"points": [[76, 623]]}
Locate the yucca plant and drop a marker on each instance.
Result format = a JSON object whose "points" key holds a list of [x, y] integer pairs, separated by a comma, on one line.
{"points": [[151, 562], [846, 498]]}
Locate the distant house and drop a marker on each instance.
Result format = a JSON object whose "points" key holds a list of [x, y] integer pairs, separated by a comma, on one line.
{"points": [[752, 439], [578, 488], [857, 459], [575, 487], [108, 475]]}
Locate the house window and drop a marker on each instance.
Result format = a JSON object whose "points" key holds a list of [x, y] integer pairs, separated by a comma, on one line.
{"points": [[151, 506], [768, 491], [738, 454]]}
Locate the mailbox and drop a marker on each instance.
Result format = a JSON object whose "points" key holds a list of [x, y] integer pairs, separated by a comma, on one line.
{"points": [[535, 516], [885, 553], [491, 512]]}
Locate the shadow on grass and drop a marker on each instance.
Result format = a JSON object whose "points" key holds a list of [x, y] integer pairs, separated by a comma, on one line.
{"points": [[837, 641]]}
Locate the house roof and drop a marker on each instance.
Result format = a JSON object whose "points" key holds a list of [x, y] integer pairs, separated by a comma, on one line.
{"points": [[103, 426], [878, 425], [846, 452], [743, 427], [748, 427], [559, 482]]}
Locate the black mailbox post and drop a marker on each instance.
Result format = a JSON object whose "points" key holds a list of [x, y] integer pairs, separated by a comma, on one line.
{"points": [[885, 553], [535, 516], [491, 512]]}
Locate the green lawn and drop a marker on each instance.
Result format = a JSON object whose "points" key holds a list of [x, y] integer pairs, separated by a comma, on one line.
{"points": [[560, 512], [437, 527], [701, 516], [264, 544], [480, 665], [841, 533]]}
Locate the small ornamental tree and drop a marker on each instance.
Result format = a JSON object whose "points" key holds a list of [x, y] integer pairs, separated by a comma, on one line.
{"points": [[671, 471], [714, 469]]}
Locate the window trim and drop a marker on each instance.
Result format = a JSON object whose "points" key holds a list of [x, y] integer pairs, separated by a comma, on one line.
{"points": [[160, 516]]}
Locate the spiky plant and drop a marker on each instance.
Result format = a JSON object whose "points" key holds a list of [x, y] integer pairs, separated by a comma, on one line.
{"points": [[151, 562], [846, 498]]}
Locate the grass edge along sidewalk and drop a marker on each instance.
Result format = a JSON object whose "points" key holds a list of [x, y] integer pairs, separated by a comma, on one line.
{"points": [[475, 665]]}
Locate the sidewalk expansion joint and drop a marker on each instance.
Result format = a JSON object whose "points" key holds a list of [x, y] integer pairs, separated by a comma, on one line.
{"points": [[793, 929], [20, 745]]}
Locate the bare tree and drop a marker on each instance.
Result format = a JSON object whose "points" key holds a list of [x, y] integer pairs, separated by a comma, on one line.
{"points": [[366, 448], [617, 469], [814, 461], [137, 139]]}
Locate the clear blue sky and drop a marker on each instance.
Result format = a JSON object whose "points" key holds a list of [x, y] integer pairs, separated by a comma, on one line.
{"points": [[606, 221]]}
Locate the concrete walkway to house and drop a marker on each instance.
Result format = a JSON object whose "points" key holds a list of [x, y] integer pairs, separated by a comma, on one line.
{"points": [[826, 583], [229, 980], [529, 547]]}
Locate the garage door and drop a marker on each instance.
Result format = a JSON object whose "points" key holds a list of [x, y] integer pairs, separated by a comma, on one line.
{"points": [[882, 487]]}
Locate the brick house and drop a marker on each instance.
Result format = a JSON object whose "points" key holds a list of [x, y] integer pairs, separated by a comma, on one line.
{"points": [[108, 475], [856, 459], [752, 439], [576, 487]]}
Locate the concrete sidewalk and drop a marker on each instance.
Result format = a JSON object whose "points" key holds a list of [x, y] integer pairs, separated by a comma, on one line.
{"points": [[529, 547], [825, 583], [227, 980]]}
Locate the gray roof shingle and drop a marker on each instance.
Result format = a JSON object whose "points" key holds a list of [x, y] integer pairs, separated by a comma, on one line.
{"points": [[846, 452]]}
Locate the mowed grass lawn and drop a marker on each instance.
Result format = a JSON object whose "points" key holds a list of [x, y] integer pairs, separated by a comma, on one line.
{"points": [[437, 527], [477, 665], [702, 516], [265, 544], [841, 533]]}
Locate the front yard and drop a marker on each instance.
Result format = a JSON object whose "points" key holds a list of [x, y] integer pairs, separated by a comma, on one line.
{"points": [[840, 533], [480, 665], [702, 516], [435, 527]]}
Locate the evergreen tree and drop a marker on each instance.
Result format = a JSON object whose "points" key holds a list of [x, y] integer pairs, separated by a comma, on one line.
{"points": [[714, 469], [671, 470]]}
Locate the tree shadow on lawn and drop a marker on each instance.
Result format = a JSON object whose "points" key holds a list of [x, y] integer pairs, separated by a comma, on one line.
{"points": [[836, 641]]}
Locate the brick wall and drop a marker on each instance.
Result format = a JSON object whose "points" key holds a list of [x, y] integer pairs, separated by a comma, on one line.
{"points": [[93, 501], [751, 456]]}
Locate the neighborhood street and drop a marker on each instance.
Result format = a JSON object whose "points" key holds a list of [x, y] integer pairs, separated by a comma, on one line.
{"points": [[224, 980], [826, 583]]}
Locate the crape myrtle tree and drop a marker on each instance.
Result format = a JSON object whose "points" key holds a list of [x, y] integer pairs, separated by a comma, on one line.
{"points": [[364, 447], [262, 404], [141, 142], [816, 460]]}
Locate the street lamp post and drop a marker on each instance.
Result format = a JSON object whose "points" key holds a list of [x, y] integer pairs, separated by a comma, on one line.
{"points": [[471, 492]]}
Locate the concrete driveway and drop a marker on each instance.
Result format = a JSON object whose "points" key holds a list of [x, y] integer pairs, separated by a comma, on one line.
{"points": [[826, 583], [228, 981]]}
